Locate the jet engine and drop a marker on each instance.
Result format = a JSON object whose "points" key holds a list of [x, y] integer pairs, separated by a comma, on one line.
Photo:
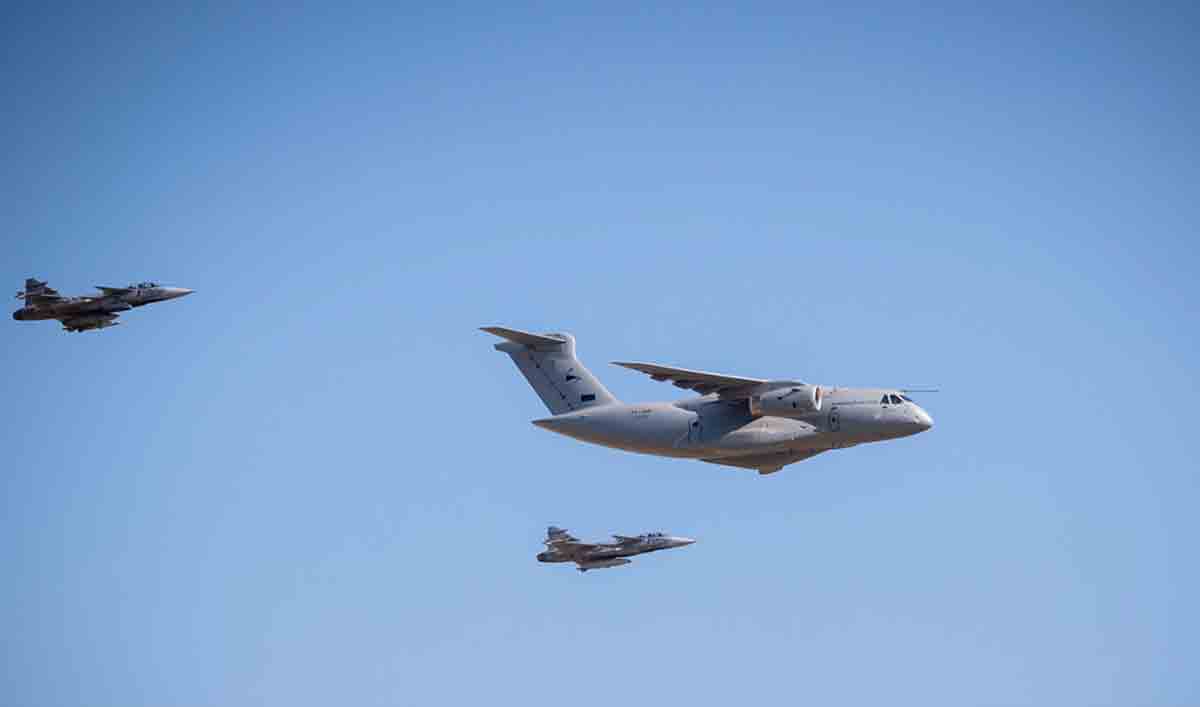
{"points": [[792, 401]]}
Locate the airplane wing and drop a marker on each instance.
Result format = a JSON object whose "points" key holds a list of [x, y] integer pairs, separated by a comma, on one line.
{"points": [[700, 381], [625, 539], [766, 463], [47, 297], [113, 290]]}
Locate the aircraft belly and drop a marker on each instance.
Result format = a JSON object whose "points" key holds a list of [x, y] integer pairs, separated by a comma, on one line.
{"points": [[767, 434]]}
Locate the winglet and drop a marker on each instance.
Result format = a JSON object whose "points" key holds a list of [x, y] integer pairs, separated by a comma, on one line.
{"points": [[523, 337]]}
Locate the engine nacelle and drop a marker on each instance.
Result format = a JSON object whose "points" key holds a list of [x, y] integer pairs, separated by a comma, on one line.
{"points": [[791, 401]]}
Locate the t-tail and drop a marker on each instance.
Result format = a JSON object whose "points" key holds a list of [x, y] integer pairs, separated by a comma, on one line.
{"points": [[548, 362]]}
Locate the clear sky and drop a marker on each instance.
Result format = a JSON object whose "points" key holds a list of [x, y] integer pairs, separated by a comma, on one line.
{"points": [[314, 482]]}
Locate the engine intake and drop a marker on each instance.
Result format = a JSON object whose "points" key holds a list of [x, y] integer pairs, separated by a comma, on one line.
{"points": [[792, 401]]}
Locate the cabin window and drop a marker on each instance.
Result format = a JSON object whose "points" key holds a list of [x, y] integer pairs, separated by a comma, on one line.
{"points": [[587, 397]]}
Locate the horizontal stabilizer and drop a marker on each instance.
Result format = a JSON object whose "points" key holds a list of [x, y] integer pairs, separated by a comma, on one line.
{"points": [[523, 337]]}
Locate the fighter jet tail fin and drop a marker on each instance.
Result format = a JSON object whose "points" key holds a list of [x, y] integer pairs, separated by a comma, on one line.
{"points": [[548, 362], [37, 291]]}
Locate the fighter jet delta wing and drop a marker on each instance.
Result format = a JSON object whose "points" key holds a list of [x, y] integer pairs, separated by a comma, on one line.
{"points": [[626, 539], [113, 290], [703, 382]]}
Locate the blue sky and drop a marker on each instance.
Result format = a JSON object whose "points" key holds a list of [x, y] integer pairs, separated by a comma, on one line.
{"points": [[314, 481]]}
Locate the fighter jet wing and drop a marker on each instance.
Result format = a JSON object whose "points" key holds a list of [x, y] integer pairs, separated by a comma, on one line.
{"points": [[47, 297], [766, 463], [625, 539], [699, 381], [113, 290]]}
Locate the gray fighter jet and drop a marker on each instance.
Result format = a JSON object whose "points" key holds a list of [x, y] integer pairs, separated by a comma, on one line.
{"points": [[562, 547], [752, 423], [89, 312]]}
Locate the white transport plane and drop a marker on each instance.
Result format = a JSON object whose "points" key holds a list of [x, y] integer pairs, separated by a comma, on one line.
{"points": [[752, 423]]}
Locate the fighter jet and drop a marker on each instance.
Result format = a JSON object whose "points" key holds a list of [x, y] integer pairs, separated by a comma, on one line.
{"points": [[751, 423], [89, 312], [562, 547]]}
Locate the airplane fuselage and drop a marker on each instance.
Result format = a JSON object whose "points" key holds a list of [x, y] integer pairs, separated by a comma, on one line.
{"points": [[709, 427]]}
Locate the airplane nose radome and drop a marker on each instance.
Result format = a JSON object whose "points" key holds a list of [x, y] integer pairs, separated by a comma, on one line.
{"points": [[924, 420]]}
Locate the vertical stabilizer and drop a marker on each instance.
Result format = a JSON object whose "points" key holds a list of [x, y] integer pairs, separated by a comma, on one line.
{"points": [[548, 362]]}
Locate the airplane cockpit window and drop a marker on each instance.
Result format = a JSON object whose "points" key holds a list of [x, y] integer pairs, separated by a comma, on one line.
{"points": [[895, 399], [884, 401], [906, 399]]}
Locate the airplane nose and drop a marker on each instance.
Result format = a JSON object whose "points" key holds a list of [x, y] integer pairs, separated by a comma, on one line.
{"points": [[178, 292], [686, 541], [924, 421]]}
